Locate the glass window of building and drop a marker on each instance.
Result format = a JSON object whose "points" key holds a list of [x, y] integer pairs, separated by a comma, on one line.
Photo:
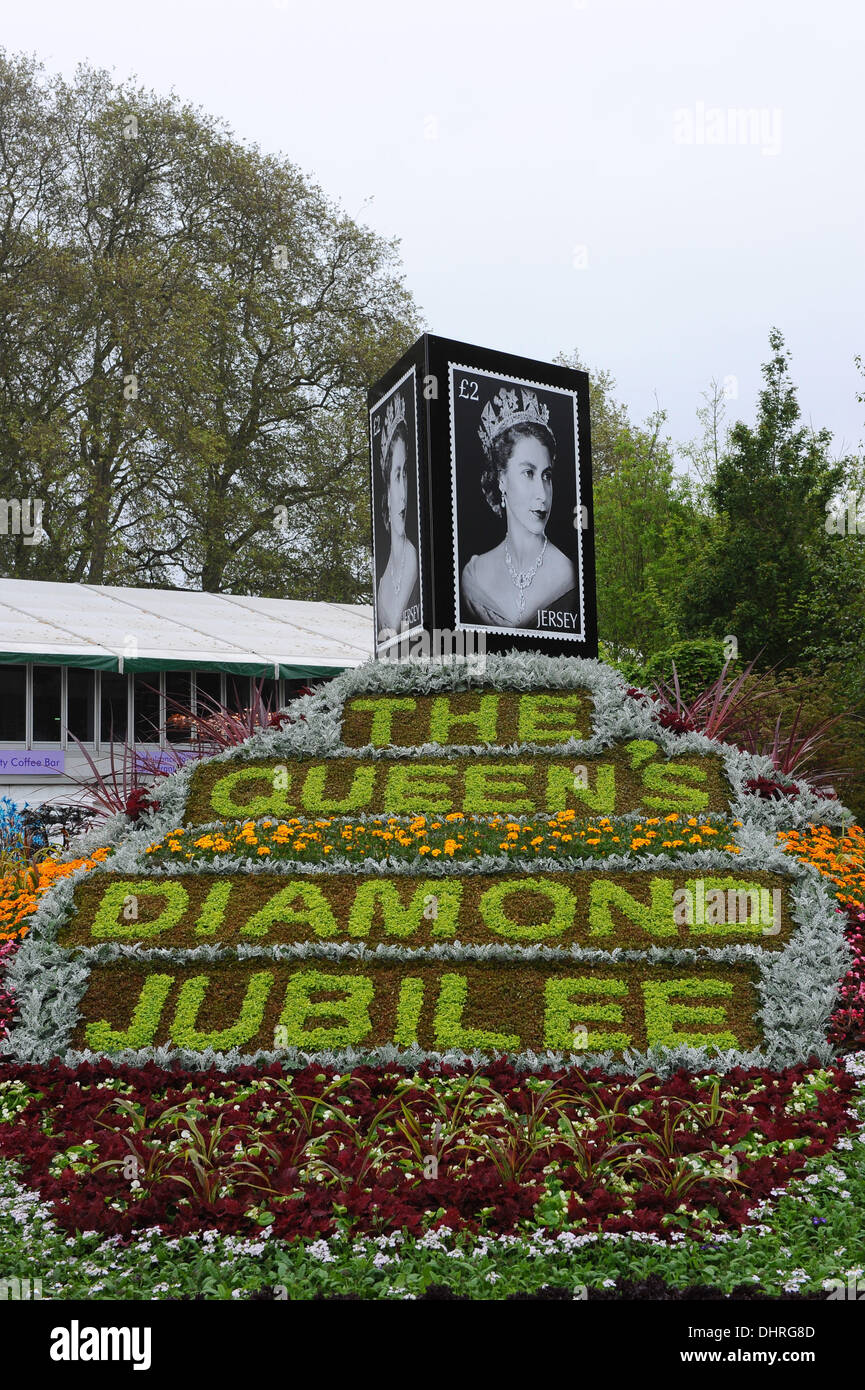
{"points": [[115, 712], [80, 703], [13, 703], [147, 703], [178, 700], [237, 693], [269, 689], [208, 686], [46, 704]]}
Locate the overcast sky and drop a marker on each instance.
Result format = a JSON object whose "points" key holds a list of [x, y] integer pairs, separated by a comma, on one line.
{"points": [[563, 174]]}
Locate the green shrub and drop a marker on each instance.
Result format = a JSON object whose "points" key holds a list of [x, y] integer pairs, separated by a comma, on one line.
{"points": [[698, 664], [823, 691]]}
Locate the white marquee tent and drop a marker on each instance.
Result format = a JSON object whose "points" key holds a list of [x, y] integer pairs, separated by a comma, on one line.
{"points": [[114, 629], [94, 663]]}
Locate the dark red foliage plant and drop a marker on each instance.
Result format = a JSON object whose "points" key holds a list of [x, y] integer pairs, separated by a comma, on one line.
{"points": [[769, 789], [309, 1153]]}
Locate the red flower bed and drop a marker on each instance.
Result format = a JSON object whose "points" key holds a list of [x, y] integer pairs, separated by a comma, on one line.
{"points": [[7, 1003], [116, 1150], [847, 1031]]}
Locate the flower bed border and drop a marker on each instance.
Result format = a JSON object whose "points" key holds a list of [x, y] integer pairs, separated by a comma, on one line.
{"points": [[617, 717], [799, 984]]}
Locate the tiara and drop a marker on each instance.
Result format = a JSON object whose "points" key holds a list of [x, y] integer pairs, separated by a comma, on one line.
{"points": [[394, 415], [509, 413]]}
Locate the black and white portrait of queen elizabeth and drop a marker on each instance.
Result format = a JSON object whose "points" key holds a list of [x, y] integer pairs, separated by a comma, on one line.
{"points": [[396, 520], [514, 492]]}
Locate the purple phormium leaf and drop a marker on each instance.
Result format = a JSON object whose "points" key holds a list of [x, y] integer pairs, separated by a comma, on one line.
{"points": [[220, 726], [794, 755], [719, 710], [769, 790], [729, 710], [108, 792]]}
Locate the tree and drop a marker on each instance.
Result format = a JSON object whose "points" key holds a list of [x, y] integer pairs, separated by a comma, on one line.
{"points": [[703, 455], [830, 614], [645, 520], [608, 418], [770, 491], [644, 528], [187, 326]]}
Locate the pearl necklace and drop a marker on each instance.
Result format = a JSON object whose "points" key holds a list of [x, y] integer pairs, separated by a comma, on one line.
{"points": [[524, 578], [397, 583]]}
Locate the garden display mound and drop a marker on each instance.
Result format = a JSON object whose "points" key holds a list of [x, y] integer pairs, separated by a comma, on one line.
{"points": [[435, 861]]}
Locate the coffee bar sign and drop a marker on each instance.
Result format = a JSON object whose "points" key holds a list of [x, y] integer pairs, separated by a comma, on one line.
{"points": [[30, 762]]}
